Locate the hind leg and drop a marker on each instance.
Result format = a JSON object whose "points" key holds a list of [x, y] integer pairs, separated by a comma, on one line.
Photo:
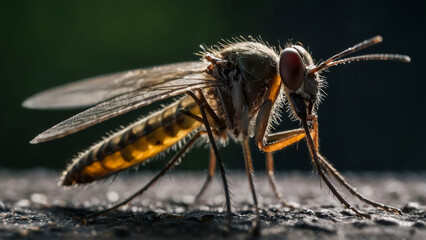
{"points": [[210, 175]]}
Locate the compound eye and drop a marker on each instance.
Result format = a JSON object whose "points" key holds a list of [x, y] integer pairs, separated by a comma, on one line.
{"points": [[292, 68]]}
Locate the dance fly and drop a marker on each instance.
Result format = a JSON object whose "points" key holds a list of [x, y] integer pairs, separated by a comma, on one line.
{"points": [[235, 91]]}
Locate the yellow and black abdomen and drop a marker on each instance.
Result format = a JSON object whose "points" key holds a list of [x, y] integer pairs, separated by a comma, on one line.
{"points": [[135, 144]]}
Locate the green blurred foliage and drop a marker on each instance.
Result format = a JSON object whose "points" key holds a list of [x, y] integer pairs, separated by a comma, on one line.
{"points": [[371, 119]]}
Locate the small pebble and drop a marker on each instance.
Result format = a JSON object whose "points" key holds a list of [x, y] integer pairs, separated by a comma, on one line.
{"points": [[419, 224], [387, 221], [179, 210], [411, 207]]}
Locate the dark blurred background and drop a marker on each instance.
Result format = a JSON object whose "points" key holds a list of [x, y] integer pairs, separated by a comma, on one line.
{"points": [[372, 118]]}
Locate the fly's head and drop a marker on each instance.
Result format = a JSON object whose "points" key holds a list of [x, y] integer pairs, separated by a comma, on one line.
{"points": [[301, 79], [302, 88]]}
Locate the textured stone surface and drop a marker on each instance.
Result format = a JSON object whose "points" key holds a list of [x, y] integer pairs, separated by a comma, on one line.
{"points": [[33, 206]]}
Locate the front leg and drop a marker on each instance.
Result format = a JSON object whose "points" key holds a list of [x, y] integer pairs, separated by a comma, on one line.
{"points": [[284, 139], [273, 142]]}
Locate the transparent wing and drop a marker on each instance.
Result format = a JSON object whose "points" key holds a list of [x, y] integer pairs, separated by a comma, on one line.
{"points": [[167, 86], [91, 91]]}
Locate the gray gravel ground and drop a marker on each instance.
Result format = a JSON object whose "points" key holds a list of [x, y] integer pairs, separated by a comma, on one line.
{"points": [[33, 206]]}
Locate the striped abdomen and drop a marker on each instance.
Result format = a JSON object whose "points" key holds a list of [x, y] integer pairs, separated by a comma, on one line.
{"points": [[135, 144]]}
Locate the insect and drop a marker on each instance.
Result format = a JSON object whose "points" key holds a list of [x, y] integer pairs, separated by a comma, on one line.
{"points": [[235, 91]]}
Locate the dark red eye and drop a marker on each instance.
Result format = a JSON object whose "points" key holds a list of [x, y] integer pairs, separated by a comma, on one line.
{"points": [[292, 68]]}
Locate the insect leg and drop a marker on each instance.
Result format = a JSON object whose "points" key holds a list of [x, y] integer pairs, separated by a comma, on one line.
{"points": [[212, 160], [202, 101], [196, 118], [249, 168], [275, 141], [189, 114], [333, 172], [314, 154], [210, 175], [169, 165], [272, 182], [203, 105]]}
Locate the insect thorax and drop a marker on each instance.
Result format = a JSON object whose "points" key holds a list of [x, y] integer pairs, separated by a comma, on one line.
{"points": [[247, 70]]}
